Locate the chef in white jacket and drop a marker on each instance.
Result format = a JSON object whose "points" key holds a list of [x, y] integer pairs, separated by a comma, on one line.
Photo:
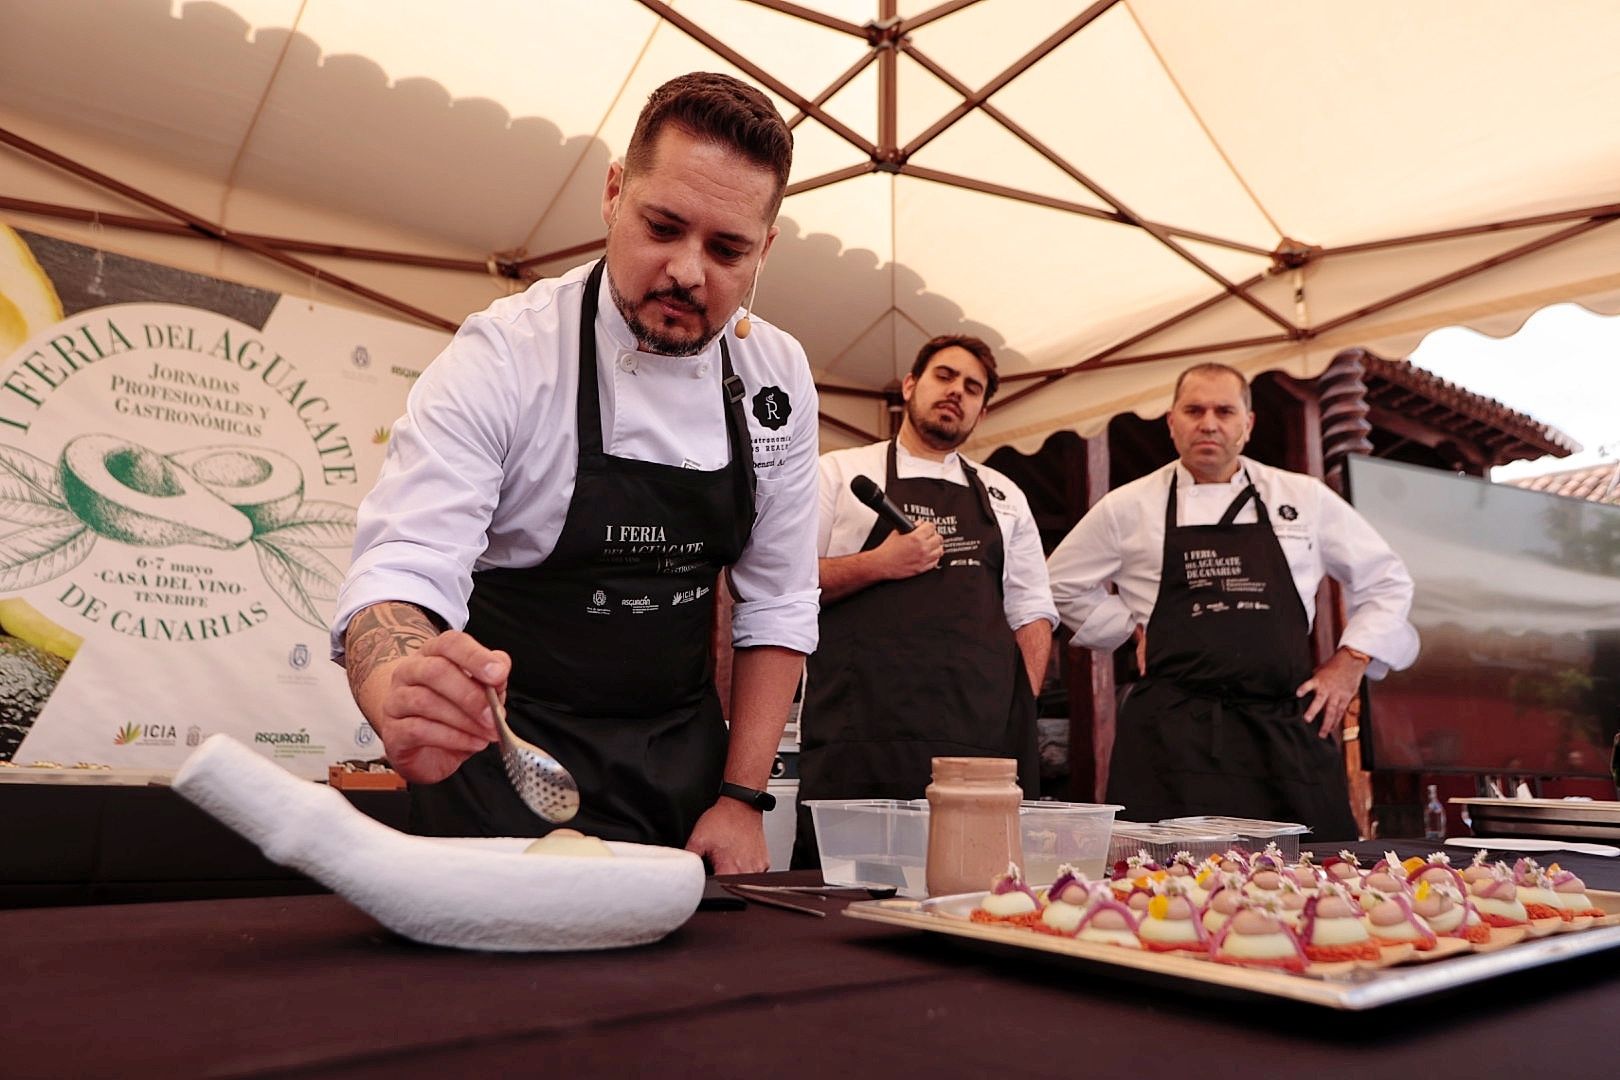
{"points": [[571, 479], [1215, 561]]}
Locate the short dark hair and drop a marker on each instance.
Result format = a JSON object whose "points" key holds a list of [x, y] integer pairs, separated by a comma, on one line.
{"points": [[978, 348], [720, 109], [1216, 369]]}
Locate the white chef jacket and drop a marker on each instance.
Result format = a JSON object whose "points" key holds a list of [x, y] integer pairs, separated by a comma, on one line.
{"points": [[845, 521], [480, 470], [1121, 541]]}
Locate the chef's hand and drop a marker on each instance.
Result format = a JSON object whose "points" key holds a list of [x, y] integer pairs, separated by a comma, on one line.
{"points": [[731, 835], [904, 555], [1141, 649], [1334, 684], [430, 708]]}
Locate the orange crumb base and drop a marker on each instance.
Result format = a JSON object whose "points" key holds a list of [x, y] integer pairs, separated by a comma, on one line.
{"points": [[1478, 933], [1176, 946], [1028, 919], [1501, 921], [1544, 911], [1592, 912], [1335, 954], [1042, 928]]}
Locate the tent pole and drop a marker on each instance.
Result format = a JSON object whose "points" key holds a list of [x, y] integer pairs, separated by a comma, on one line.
{"points": [[280, 243], [1607, 210]]}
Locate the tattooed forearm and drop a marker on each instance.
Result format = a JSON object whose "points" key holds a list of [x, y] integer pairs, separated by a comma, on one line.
{"points": [[381, 634]]}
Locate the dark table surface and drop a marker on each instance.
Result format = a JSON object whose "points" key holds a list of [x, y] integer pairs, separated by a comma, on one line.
{"points": [[309, 985]]}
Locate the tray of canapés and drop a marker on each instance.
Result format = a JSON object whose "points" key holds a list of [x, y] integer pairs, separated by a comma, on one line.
{"points": [[1333, 933]]}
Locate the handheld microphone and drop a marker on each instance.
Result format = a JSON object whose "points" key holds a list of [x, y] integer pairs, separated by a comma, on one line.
{"points": [[872, 495]]}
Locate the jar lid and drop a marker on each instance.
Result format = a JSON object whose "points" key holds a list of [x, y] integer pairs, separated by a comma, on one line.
{"points": [[975, 768]]}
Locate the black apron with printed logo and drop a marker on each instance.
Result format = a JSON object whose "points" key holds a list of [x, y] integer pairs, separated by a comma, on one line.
{"points": [[609, 639], [1215, 727], [910, 670]]}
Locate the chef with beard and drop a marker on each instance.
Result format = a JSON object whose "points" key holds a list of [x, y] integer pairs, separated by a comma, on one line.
{"points": [[1216, 559], [574, 476], [934, 641]]}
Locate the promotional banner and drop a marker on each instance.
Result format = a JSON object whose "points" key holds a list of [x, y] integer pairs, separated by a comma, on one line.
{"points": [[180, 463]]}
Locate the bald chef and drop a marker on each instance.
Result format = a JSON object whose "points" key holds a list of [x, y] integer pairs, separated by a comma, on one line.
{"points": [[1216, 559], [570, 479]]}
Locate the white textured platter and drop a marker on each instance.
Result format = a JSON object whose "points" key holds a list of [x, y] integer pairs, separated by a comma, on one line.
{"points": [[472, 893], [1353, 990]]}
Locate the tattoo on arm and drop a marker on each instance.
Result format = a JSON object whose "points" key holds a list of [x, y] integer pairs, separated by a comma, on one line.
{"points": [[381, 634]]}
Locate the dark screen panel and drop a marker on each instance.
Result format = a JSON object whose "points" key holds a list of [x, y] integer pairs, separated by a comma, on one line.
{"points": [[1518, 606]]}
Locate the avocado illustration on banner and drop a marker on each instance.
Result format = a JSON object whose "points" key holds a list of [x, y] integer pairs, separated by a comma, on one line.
{"points": [[220, 497]]}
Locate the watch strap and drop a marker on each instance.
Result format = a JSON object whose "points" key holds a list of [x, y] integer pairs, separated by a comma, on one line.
{"points": [[759, 800]]}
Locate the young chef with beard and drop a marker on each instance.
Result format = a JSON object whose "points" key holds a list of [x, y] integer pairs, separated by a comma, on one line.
{"points": [[1216, 559], [570, 478], [933, 642]]}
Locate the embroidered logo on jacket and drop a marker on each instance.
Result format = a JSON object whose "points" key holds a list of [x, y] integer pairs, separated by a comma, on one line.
{"points": [[772, 407], [1286, 512]]}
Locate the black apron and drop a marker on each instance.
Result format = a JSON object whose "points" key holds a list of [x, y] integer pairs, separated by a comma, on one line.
{"points": [[910, 670], [609, 639], [1214, 727]]}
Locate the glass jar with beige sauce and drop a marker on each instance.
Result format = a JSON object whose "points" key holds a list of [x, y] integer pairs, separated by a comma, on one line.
{"points": [[972, 823]]}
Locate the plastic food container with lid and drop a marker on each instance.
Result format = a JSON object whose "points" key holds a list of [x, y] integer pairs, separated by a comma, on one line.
{"points": [[1161, 841], [1252, 833]]}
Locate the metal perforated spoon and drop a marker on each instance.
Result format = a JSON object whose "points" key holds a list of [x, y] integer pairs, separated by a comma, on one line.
{"points": [[542, 782]]}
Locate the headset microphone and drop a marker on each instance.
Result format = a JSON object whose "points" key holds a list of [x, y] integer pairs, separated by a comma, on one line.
{"points": [[744, 326]]}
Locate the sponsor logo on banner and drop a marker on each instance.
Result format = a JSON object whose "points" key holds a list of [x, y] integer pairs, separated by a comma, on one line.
{"points": [[361, 357], [193, 735], [640, 605], [298, 658], [365, 734], [598, 604], [145, 734], [286, 744]]}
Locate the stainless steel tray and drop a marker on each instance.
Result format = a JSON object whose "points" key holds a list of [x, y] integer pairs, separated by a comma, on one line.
{"points": [[1356, 989], [1584, 820]]}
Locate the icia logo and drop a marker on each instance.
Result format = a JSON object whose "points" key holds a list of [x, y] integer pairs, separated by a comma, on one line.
{"points": [[150, 734], [298, 658]]}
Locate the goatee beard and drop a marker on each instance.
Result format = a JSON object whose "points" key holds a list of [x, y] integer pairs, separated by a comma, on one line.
{"points": [[650, 338], [934, 434]]}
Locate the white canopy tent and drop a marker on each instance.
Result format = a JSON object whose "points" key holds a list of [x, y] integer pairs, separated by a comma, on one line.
{"points": [[1103, 191]]}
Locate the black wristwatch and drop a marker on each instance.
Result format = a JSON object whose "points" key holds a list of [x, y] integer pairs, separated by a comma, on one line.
{"points": [[759, 800]]}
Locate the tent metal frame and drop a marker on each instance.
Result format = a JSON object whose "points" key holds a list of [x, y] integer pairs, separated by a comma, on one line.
{"points": [[887, 37]]}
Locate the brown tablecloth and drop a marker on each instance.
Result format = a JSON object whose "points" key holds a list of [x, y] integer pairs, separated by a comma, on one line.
{"points": [[309, 985]]}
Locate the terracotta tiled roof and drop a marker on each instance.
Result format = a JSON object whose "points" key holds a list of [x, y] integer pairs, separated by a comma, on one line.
{"points": [[1598, 483], [1508, 435]]}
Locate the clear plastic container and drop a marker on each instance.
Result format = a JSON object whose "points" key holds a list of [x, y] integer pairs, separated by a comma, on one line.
{"points": [[1252, 833], [1161, 841], [885, 841], [1058, 832], [873, 842]]}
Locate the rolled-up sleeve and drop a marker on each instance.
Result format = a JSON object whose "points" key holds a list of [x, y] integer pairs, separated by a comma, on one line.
{"points": [[1081, 568], [1377, 587], [425, 523], [1026, 592], [776, 579]]}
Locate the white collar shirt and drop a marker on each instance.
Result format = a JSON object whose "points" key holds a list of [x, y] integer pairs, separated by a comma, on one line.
{"points": [[1120, 543], [845, 522], [480, 470]]}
